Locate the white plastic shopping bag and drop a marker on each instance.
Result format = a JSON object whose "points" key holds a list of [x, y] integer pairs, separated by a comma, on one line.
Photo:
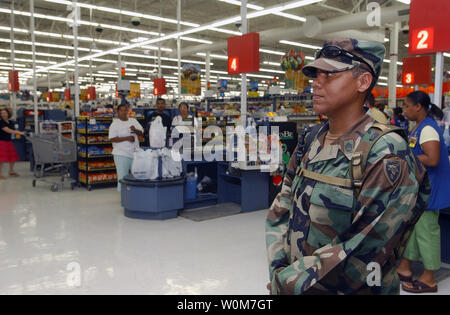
{"points": [[152, 156], [175, 167], [157, 134], [141, 165]]}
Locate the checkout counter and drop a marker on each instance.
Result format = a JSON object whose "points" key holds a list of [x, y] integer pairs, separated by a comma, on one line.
{"points": [[164, 199], [248, 186]]}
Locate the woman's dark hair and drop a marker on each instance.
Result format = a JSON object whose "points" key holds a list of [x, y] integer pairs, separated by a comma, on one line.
{"points": [[8, 111], [422, 98]]}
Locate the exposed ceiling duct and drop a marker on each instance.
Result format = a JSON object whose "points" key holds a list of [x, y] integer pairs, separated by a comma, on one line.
{"points": [[314, 28]]}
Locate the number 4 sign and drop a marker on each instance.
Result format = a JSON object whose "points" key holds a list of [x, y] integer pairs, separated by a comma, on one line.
{"points": [[233, 66]]}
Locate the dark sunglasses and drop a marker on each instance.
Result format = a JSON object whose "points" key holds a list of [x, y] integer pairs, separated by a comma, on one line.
{"points": [[331, 52]]}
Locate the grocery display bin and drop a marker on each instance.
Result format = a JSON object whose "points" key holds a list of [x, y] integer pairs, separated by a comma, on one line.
{"points": [[152, 200]]}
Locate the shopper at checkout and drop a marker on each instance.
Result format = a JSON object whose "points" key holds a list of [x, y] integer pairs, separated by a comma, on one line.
{"points": [[160, 107], [427, 142], [123, 134], [8, 153], [183, 119]]}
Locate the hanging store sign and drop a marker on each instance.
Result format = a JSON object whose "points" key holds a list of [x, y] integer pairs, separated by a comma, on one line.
{"points": [[91, 94], [159, 86], [13, 84], [417, 70], [67, 95], [83, 95], [49, 97], [428, 27], [191, 83], [243, 54], [135, 90]]}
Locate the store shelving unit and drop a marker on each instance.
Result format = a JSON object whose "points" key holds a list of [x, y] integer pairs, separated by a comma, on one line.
{"points": [[95, 169], [63, 128]]}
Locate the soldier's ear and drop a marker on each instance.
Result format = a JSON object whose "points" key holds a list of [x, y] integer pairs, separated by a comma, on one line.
{"points": [[364, 82]]}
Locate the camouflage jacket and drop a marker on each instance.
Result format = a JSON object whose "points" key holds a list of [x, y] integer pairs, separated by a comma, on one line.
{"points": [[321, 238]]}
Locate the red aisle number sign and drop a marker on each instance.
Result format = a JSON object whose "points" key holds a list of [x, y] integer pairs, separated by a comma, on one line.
{"points": [[408, 78], [233, 65], [417, 70], [428, 27], [423, 39], [243, 54]]}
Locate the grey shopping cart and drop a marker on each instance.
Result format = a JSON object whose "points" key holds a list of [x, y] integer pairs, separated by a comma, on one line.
{"points": [[53, 155]]}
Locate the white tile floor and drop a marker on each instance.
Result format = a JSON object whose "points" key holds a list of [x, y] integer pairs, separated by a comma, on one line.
{"points": [[42, 233]]}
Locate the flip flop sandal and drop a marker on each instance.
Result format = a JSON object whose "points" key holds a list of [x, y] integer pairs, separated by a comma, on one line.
{"points": [[2, 177], [14, 174], [420, 287], [405, 278]]}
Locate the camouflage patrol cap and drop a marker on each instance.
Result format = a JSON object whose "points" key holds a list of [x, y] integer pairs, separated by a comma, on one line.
{"points": [[371, 53]]}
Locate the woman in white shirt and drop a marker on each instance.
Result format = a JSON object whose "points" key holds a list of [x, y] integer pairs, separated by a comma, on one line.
{"points": [[123, 134], [184, 119]]}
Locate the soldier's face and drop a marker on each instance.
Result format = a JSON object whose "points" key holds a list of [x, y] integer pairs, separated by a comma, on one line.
{"points": [[334, 91]]}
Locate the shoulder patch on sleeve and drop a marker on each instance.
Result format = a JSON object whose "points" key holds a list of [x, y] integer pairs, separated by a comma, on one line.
{"points": [[392, 170]]}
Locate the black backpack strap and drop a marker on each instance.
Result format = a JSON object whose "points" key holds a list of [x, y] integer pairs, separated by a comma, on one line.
{"points": [[305, 140]]}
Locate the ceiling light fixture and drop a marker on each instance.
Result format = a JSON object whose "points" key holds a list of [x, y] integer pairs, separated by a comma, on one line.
{"points": [[276, 8], [287, 42], [259, 8]]}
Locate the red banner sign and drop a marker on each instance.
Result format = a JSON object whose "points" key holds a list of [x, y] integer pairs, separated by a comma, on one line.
{"points": [[13, 85], [159, 86], [417, 70], [67, 95], [91, 95], [243, 54], [428, 26]]}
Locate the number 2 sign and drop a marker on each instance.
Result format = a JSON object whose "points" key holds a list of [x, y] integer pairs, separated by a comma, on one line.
{"points": [[423, 39], [429, 27]]}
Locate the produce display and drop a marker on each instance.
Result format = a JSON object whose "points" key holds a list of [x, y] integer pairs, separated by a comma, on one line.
{"points": [[292, 61]]}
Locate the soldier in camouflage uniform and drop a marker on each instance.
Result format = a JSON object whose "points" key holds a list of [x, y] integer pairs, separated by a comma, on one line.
{"points": [[328, 224]]}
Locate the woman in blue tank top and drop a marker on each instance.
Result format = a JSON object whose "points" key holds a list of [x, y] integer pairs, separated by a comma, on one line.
{"points": [[427, 142]]}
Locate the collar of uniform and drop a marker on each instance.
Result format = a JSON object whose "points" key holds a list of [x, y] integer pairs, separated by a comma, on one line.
{"points": [[347, 143], [350, 140]]}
